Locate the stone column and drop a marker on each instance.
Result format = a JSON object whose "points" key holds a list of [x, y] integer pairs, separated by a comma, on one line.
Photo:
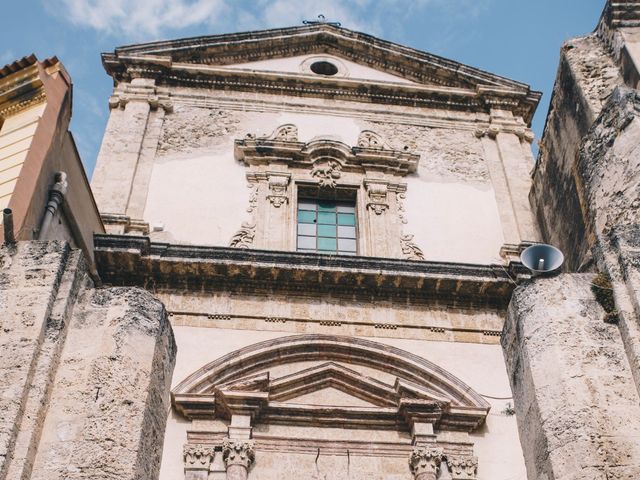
{"points": [[238, 456], [197, 460], [425, 463]]}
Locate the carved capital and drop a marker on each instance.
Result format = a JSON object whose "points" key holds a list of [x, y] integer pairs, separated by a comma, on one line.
{"points": [[197, 457], [278, 184], [424, 462], [327, 173], [238, 452], [377, 192], [463, 468]]}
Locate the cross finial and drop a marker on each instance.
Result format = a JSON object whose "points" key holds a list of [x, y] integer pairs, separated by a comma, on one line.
{"points": [[321, 20]]}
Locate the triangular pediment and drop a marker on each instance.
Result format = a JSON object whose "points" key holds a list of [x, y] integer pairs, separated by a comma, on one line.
{"points": [[331, 397], [302, 65], [277, 56]]}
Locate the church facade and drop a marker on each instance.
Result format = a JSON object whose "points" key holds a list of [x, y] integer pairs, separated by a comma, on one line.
{"points": [[306, 265], [356, 205]]}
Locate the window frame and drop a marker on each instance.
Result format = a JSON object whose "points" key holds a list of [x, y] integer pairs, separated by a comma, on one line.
{"points": [[344, 196]]}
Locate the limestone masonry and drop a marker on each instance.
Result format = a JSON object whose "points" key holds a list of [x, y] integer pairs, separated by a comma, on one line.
{"points": [[303, 261]]}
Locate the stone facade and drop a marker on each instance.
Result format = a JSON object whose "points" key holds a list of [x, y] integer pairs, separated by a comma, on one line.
{"points": [[206, 345], [85, 371]]}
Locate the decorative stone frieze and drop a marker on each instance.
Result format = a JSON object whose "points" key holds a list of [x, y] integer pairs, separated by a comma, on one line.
{"points": [[463, 468], [424, 462], [238, 456], [197, 457]]}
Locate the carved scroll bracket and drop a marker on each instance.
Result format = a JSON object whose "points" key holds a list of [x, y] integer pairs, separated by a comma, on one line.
{"points": [[278, 186], [377, 196]]}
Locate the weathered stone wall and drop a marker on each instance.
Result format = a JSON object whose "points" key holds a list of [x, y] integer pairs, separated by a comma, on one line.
{"points": [[38, 283], [586, 77], [108, 409], [84, 373], [577, 403]]}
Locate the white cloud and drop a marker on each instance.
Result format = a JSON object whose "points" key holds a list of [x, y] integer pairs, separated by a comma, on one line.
{"points": [[148, 19], [136, 18]]}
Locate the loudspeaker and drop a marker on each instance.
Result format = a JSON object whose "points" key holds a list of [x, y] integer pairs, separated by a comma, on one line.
{"points": [[542, 259]]}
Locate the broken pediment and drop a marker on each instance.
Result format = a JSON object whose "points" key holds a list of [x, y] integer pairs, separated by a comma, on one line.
{"points": [[334, 389]]}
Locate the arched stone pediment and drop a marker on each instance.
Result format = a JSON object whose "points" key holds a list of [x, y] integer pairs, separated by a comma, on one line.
{"points": [[277, 380]]}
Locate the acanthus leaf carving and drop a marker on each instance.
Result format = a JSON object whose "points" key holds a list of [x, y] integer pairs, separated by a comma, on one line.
{"points": [[424, 462], [463, 468], [244, 237], [238, 452], [410, 250], [197, 457], [327, 173]]}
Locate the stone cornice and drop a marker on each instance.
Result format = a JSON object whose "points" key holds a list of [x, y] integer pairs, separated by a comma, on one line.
{"points": [[263, 151], [132, 260], [441, 83]]}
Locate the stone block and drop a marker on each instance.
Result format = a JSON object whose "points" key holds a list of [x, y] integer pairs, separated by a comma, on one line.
{"points": [[574, 394]]}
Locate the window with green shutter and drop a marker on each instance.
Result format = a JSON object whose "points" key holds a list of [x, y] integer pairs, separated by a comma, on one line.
{"points": [[327, 226]]}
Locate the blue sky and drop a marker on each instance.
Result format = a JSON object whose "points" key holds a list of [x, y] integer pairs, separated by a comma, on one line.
{"points": [[519, 39]]}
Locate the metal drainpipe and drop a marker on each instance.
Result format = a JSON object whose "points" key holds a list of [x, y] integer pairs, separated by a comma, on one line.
{"points": [[7, 222], [56, 196]]}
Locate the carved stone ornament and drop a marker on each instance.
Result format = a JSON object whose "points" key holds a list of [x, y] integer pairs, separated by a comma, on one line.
{"points": [[278, 189], [370, 139], [410, 250], [327, 173], [463, 468], [238, 452], [377, 197], [244, 237], [285, 133], [197, 457], [424, 462]]}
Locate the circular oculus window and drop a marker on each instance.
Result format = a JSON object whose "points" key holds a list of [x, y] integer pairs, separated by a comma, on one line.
{"points": [[323, 67]]}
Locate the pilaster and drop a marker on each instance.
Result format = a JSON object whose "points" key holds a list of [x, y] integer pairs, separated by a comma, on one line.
{"points": [[121, 178], [506, 142]]}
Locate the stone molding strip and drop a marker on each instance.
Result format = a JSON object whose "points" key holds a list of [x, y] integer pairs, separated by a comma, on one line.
{"points": [[134, 260]]}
